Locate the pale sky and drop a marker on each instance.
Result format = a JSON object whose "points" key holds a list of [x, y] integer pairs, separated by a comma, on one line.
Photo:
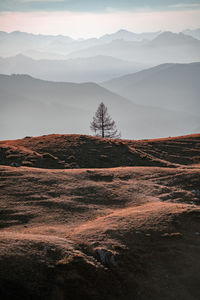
{"points": [[90, 18]]}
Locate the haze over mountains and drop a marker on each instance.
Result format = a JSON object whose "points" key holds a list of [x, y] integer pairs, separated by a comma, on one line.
{"points": [[122, 44], [64, 59], [166, 47], [95, 68], [33, 107], [150, 83], [21, 42], [195, 33], [169, 86]]}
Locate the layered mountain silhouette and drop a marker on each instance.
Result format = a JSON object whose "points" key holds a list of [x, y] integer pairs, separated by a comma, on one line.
{"points": [[97, 68], [33, 107], [166, 47], [102, 62], [162, 100], [22, 42], [149, 47], [170, 86]]}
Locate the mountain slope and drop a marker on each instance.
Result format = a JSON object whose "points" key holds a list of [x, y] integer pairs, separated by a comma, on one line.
{"points": [[195, 33], [170, 86], [99, 68], [33, 107]]}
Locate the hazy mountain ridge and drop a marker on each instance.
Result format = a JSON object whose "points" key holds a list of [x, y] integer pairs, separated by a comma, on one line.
{"points": [[53, 47], [34, 107], [195, 33], [168, 38], [97, 68], [129, 36], [157, 102], [166, 47], [105, 61], [20, 42], [170, 86]]}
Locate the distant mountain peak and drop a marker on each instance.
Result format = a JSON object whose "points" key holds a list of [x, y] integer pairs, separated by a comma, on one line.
{"points": [[168, 37], [123, 31], [17, 32]]}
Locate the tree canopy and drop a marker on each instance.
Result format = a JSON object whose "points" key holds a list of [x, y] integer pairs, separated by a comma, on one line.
{"points": [[103, 125]]}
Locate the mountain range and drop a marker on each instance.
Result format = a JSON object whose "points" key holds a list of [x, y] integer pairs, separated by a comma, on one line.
{"points": [[149, 82], [22, 42], [33, 107], [60, 47], [166, 47], [97, 63], [96, 68]]}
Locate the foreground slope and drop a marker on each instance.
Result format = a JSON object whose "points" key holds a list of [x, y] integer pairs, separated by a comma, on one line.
{"points": [[108, 234], [81, 151], [123, 233]]}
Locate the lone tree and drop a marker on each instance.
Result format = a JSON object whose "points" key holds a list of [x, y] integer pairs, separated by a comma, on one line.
{"points": [[103, 125]]}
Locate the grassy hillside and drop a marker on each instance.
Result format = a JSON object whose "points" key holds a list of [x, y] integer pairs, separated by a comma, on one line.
{"points": [[123, 233], [81, 151]]}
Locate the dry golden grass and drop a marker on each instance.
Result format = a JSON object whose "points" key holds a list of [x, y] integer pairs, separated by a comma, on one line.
{"points": [[79, 151], [109, 233]]}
